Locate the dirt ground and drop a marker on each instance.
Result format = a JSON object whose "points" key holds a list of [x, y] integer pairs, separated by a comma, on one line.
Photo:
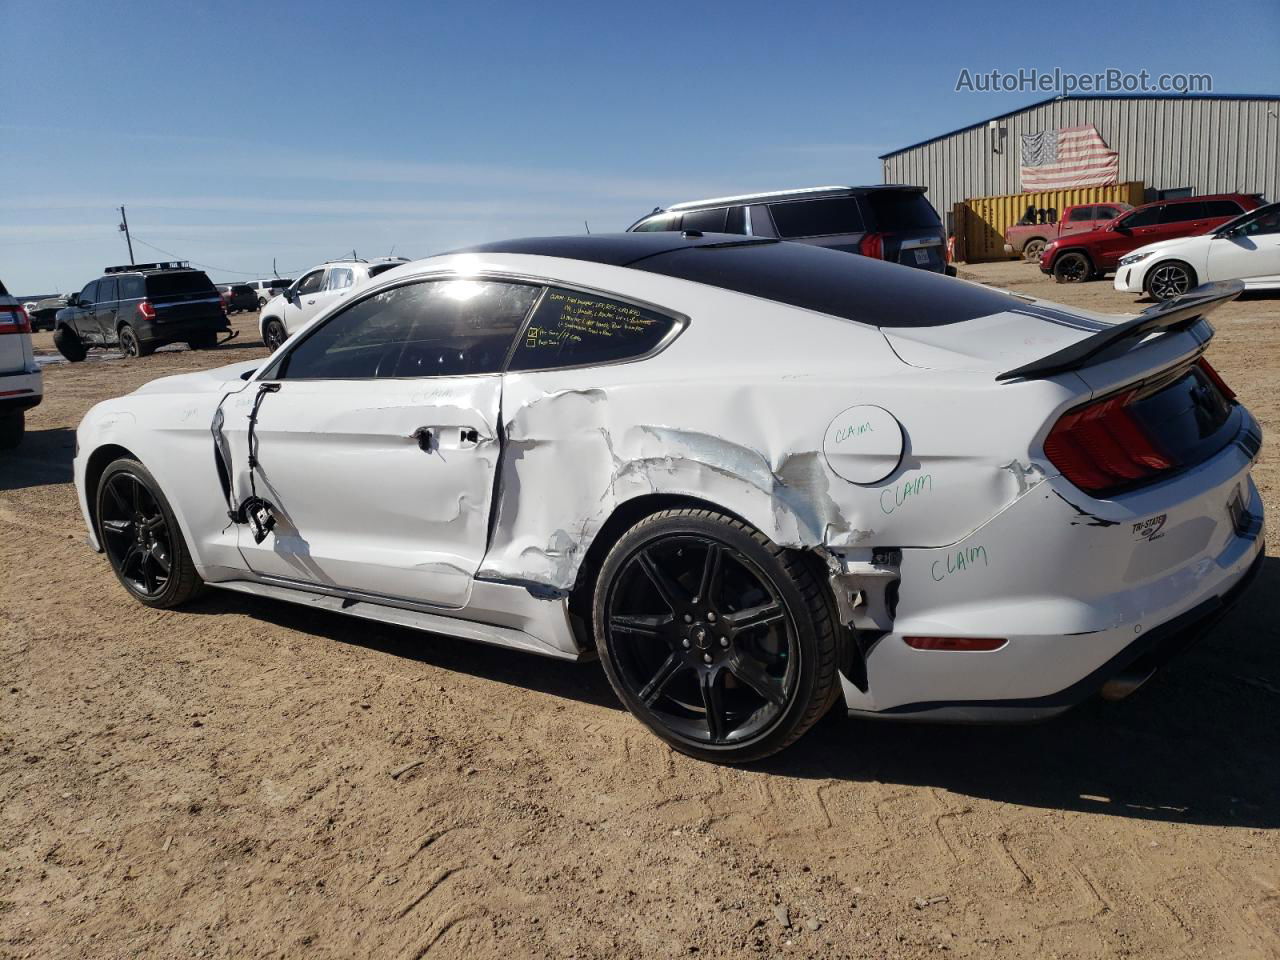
{"points": [[246, 778]]}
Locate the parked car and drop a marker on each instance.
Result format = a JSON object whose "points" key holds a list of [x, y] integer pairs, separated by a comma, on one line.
{"points": [[44, 315], [239, 296], [316, 291], [891, 222], [756, 478], [140, 307], [266, 289], [1087, 256], [21, 383], [1246, 249], [1029, 239]]}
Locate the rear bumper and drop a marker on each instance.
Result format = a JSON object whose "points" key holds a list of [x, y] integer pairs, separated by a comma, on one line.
{"points": [[174, 331], [1081, 591], [20, 390]]}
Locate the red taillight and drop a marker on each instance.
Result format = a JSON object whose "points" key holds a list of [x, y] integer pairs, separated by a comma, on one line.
{"points": [[955, 644], [14, 320], [146, 311], [1101, 446], [1213, 375], [872, 245]]}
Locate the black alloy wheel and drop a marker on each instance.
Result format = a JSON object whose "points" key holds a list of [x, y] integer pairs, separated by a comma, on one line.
{"points": [[1169, 280], [130, 345], [1072, 268], [137, 530], [715, 638], [273, 335]]}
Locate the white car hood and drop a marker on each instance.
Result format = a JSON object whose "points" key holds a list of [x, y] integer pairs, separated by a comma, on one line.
{"points": [[1000, 341], [231, 377], [1160, 246]]}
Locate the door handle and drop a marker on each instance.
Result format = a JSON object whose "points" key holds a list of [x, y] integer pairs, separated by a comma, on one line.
{"points": [[310, 301]]}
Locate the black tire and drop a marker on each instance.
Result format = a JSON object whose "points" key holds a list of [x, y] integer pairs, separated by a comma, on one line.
{"points": [[737, 675], [69, 344], [206, 341], [12, 427], [1032, 249], [273, 334], [1170, 279], [131, 346], [139, 534], [1072, 267]]}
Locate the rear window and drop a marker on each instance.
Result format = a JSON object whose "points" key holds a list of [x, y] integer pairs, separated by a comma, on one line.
{"points": [[900, 210], [828, 281], [177, 283], [378, 268], [570, 329], [242, 288], [817, 218]]}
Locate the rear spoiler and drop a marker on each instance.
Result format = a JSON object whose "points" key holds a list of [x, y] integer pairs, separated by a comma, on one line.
{"points": [[1177, 314]]}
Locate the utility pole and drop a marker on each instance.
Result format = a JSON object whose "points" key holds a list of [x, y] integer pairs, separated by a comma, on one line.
{"points": [[124, 228]]}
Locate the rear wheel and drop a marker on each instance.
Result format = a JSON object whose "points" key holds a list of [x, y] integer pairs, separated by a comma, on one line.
{"points": [[1072, 268], [131, 345], [1033, 249], [137, 529], [69, 344], [273, 334], [12, 427], [1169, 280], [718, 640]]}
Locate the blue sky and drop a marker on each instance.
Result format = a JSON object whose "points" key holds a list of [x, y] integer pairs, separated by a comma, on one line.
{"points": [[238, 132]]}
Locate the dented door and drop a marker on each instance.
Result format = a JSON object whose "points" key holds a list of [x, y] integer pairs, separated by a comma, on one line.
{"points": [[380, 487]]}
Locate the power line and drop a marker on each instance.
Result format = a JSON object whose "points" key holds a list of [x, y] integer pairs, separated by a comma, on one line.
{"points": [[206, 266]]}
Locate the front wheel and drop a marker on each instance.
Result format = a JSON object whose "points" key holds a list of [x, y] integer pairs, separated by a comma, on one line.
{"points": [[1169, 280], [718, 640], [12, 427], [69, 344], [273, 334], [1072, 268], [141, 538]]}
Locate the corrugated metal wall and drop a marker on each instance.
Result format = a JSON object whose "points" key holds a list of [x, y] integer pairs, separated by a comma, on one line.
{"points": [[1209, 145], [982, 221]]}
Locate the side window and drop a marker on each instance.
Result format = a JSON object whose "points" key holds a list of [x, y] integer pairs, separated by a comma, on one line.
{"points": [[736, 221], [658, 224], [1221, 208], [339, 278], [89, 294], [131, 288], [706, 221], [311, 282], [1265, 223], [1146, 217], [107, 288], [1182, 212], [440, 328], [817, 218], [570, 329], [1081, 213]]}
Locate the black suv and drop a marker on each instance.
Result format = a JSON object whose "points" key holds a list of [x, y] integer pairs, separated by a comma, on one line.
{"points": [[140, 307], [891, 222]]}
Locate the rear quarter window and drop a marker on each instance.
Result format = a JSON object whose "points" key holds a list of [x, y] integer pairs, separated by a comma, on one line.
{"points": [[571, 329], [817, 218]]}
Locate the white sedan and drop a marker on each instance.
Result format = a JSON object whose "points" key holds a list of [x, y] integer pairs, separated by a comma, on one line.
{"points": [[755, 478], [1246, 249]]}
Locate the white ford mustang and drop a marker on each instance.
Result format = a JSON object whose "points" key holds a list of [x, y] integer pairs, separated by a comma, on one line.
{"points": [[754, 477]]}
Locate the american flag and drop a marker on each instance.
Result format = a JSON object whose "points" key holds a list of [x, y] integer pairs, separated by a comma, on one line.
{"points": [[1067, 157]]}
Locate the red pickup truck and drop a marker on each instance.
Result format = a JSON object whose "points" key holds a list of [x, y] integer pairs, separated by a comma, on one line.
{"points": [[1029, 239], [1086, 256]]}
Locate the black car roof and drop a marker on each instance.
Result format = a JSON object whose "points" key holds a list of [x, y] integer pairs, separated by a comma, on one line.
{"points": [[841, 284]]}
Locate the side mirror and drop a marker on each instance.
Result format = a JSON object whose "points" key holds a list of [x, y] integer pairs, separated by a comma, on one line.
{"points": [[73, 300], [1119, 228]]}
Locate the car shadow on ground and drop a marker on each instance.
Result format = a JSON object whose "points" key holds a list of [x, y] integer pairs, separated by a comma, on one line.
{"points": [[42, 459], [1197, 744]]}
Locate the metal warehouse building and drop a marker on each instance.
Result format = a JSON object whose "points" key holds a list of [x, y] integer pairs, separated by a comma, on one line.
{"points": [[1175, 145]]}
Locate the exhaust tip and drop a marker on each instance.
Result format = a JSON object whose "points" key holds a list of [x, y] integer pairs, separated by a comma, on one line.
{"points": [[1123, 684]]}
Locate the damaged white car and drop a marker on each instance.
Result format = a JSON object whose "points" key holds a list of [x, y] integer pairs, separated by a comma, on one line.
{"points": [[756, 478]]}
